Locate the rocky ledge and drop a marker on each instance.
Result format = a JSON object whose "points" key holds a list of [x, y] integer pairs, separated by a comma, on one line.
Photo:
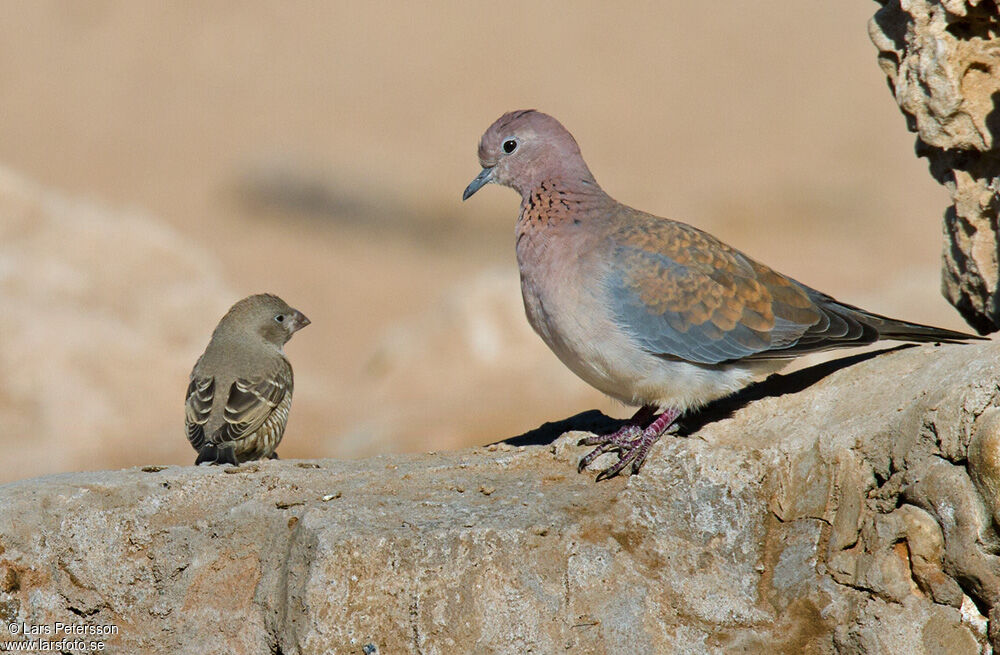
{"points": [[846, 508]]}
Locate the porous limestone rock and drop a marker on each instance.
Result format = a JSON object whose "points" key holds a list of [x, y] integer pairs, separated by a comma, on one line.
{"points": [[830, 510], [942, 61]]}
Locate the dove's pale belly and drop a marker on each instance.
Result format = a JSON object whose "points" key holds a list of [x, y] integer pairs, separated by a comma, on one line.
{"points": [[564, 306]]}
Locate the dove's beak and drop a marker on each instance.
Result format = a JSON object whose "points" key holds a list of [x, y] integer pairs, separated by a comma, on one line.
{"points": [[476, 184]]}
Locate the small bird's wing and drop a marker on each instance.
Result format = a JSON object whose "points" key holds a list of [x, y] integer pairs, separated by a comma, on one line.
{"points": [[682, 293], [251, 402], [197, 408]]}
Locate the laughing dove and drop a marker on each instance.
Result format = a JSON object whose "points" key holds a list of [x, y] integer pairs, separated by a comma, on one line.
{"points": [[650, 311], [241, 388]]}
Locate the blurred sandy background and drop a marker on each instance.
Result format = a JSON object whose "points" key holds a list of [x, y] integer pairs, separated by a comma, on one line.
{"points": [[159, 161]]}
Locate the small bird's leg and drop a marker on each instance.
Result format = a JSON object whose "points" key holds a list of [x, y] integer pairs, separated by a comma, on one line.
{"points": [[632, 441]]}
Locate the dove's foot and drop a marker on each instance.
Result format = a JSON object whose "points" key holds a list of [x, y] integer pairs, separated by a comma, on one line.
{"points": [[632, 441]]}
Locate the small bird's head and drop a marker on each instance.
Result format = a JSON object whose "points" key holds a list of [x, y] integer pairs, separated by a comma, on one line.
{"points": [[524, 148], [265, 315]]}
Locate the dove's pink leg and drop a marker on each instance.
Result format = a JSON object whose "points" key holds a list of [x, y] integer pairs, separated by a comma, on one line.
{"points": [[632, 440]]}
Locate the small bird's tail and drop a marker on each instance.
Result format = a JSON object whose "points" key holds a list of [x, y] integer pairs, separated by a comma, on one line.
{"points": [[207, 454], [213, 454]]}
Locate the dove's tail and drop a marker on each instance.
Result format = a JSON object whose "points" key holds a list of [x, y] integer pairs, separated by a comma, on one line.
{"points": [[890, 328], [846, 326]]}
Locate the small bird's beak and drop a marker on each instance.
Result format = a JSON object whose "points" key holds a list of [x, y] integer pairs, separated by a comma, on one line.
{"points": [[476, 184], [299, 321]]}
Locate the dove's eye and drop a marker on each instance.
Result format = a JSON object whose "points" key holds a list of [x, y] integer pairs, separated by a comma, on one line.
{"points": [[509, 146], [280, 318]]}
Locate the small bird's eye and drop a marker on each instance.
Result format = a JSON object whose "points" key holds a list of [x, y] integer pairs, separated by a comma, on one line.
{"points": [[280, 318], [509, 146]]}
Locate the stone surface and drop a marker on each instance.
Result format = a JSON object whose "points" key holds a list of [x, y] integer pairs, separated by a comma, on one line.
{"points": [[942, 61], [825, 511], [984, 459]]}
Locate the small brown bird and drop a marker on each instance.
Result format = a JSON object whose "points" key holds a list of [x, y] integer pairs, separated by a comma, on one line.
{"points": [[241, 388], [653, 312]]}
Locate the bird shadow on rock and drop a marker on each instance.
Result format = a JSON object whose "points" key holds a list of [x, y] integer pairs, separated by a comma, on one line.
{"points": [[592, 420], [773, 386]]}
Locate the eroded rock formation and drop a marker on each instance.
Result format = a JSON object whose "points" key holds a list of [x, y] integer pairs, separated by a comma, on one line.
{"points": [[942, 61]]}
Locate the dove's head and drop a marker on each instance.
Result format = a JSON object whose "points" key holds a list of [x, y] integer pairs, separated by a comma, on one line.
{"points": [[265, 315], [524, 148]]}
